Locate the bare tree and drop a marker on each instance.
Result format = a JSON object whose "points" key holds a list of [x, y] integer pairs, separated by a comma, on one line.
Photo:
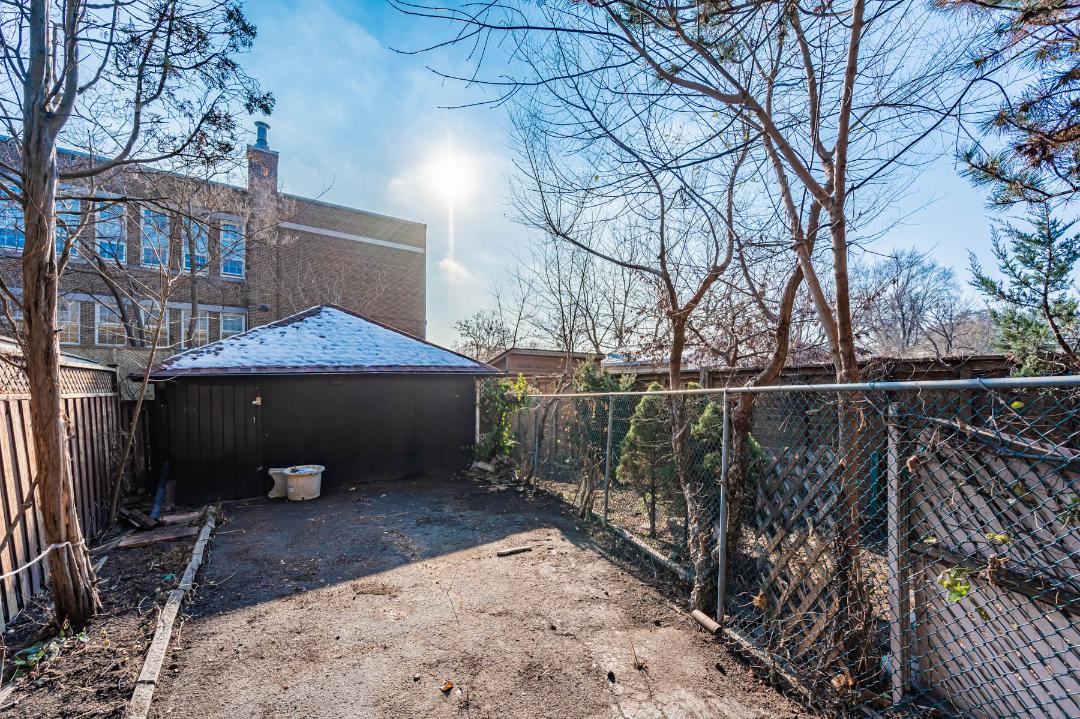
{"points": [[629, 203], [483, 334], [125, 84], [959, 326], [904, 292]]}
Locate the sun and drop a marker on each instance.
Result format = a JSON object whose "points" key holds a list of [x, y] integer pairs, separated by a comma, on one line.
{"points": [[450, 175]]}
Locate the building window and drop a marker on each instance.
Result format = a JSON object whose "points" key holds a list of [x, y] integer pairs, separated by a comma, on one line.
{"points": [[109, 328], [196, 238], [151, 314], [15, 309], [12, 227], [68, 321], [109, 228], [232, 323], [68, 218], [201, 334], [232, 250], [155, 238]]}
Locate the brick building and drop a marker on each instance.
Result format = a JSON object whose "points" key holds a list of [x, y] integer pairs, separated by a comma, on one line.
{"points": [[238, 257]]}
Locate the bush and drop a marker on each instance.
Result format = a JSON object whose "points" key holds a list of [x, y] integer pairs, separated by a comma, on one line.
{"points": [[499, 400]]}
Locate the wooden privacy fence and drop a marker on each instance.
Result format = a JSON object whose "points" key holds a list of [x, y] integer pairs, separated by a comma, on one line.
{"points": [[91, 403]]}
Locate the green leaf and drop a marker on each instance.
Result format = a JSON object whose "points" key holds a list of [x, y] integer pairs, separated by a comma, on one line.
{"points": [[956, 583]]}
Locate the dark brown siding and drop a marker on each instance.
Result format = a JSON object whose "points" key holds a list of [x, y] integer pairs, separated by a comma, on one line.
{"points": [[362, 428], [214, 439]]}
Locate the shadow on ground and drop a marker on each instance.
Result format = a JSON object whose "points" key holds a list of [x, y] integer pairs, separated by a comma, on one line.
{"points": [[370, 602]]}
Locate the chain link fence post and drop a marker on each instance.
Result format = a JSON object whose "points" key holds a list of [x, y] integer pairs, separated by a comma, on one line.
{"points": [[898, 512], [537, 412], [721, 532], [607, 455]]}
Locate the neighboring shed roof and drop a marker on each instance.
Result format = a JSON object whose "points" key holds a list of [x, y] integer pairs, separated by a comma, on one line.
{"points": [[323, 339], [539, 352]]}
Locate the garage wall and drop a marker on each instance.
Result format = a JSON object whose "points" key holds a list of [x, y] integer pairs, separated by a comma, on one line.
{"points": [[363, 428]]}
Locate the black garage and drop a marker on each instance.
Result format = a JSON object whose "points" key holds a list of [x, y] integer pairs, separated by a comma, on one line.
{"points": [[325, 386]]}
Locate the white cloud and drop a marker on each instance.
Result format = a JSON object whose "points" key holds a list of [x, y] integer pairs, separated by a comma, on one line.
{"points": [[453, 271]]}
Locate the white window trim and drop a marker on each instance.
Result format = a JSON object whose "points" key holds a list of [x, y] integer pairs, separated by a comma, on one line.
{"points": [[185, 319], [185, 244], [145, 308], [74, 255], [221, 220], [221, 323], [98, 308], [78, 320], [165, 261], [122, 218]]}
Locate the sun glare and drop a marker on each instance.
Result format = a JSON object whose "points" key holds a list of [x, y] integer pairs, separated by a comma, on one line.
{"points": [[450, 175]]}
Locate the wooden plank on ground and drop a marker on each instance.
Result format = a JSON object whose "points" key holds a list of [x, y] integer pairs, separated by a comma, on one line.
{"points": [[139, 706], [181, 517], [165, 534]]}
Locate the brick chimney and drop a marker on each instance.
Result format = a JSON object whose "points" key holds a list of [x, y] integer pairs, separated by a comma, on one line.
{"points": [[262, 161], [264, 251]]}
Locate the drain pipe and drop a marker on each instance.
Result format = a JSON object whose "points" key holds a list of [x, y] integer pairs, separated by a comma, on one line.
{"points": [[159, 497]]}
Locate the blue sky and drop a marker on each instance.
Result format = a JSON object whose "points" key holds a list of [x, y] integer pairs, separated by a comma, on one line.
{"points": [[360, 125]]}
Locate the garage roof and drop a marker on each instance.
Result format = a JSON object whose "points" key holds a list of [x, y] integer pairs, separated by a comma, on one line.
{"points": [[319, 340]]}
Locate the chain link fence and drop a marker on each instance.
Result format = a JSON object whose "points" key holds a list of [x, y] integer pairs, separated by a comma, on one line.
{"points": [[894, 547]]}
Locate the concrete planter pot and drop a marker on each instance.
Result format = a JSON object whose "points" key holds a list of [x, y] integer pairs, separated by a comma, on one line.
{"points": [[304, 481], [280, 477]]}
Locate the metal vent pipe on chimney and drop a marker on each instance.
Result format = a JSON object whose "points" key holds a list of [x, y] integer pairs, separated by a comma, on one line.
{"points": [[260, 135]]}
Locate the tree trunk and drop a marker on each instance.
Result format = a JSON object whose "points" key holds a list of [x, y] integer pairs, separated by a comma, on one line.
{"points": [[70, 571], [652, 504], [738, 472], [695, 492], [852, 630]]}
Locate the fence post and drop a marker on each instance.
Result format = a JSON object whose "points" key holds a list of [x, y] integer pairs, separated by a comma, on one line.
{"points": [[899, 588], [476, 402], [607, 456], [721, 532], [536, 442]]}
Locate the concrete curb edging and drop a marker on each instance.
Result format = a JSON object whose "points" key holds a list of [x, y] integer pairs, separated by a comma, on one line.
{"points": [[139, 704]]}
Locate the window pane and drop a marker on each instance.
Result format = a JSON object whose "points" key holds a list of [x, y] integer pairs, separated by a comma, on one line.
{"points": [[197, 236], [201, 334], [232, 324], [232, 250], [67, 224], [12, 228], [16, 315], [109, 330], [110, 233], [67, 321], [151, 316], [155, 238]]}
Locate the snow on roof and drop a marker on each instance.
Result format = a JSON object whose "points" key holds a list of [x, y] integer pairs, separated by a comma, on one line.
{"points": [[322, 339]]}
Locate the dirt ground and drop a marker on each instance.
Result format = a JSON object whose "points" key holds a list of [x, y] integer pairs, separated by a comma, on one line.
{"points": [[368, 603], [90, 675]]}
